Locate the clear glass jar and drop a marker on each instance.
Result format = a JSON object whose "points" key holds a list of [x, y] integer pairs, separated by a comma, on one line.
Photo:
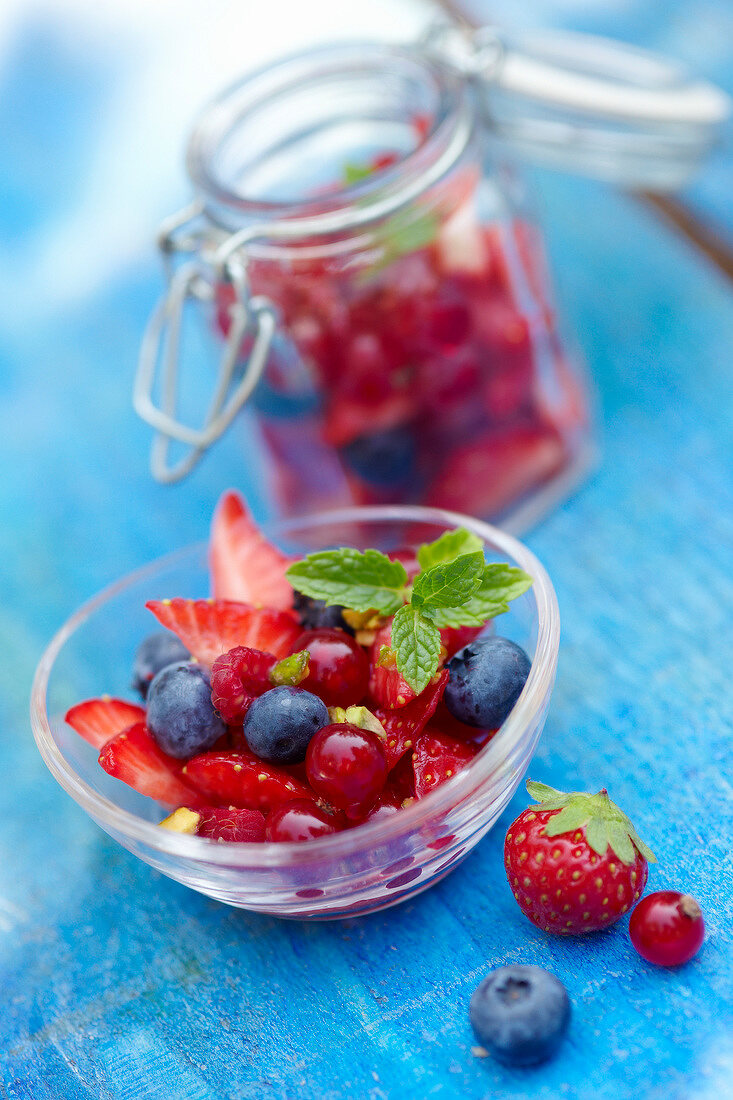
{"points": [[361, 246]]}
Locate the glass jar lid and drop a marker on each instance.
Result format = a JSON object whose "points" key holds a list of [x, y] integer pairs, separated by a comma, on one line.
{"points": [[590, 105]]}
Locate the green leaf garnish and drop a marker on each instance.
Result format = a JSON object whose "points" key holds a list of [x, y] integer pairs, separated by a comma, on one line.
{"points": [[448, 547], [455, 587], [350, 578], [448, 584], [406, 231], [604, 823], [499, 585], [416, 644], [355, 173]]}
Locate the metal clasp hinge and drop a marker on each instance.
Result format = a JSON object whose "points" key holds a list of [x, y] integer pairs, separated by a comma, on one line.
{"points": [[159, 360], [160, 353]]}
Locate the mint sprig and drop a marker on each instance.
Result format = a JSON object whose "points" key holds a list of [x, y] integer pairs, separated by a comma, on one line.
{"points": [[455, 587], [448, 584], [416, 643], [448, 547], [349, 578], [499, 585]]}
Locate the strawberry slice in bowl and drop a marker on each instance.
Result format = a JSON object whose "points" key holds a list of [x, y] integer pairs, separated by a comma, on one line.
{"points": [[245, 566], [98, 720], [209, 628], [133, 757]]}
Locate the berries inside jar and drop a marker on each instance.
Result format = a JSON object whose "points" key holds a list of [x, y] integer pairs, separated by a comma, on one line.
{"points": [[415, 358]]}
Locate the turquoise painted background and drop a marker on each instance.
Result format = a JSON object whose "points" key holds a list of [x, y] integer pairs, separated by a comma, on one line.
{"points": [[119, 984]]}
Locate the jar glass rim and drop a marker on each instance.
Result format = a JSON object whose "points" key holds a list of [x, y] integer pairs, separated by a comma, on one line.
{"points": [[445, 138]]}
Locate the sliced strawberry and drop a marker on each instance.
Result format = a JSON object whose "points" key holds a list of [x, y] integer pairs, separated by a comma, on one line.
{"points": [[238, 677], [387, 687], [349, 417], [387, 805], [436, 758], [486, 476], [96, 720], [401, 782], [209, 628], [244, 565], [241, 779], [404, 726], [231, 824], [134, 757], [444, 721], [455, 637], [408, 556]]}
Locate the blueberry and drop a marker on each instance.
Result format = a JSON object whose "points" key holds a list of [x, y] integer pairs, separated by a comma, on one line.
{"points": [[154, 653], [279, 724], [314, 615], [181, 716], [486, 679], [520, 1014], [382, 458]]}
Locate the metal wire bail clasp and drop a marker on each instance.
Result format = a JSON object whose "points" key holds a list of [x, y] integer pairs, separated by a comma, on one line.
{"points": [[159, 362], [472, 51]]}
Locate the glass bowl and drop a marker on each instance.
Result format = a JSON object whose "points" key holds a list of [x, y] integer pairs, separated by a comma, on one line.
{"points": [[358, 871]]}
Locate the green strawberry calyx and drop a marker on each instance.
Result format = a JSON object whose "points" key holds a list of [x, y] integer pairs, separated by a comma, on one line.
{"points": [[606, 826]]}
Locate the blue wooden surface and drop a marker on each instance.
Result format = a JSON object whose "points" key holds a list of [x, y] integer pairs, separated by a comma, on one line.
{"points": [[119, 984]]}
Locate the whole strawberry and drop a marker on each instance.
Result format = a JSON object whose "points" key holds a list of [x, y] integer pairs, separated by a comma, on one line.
{"points": [[574, 862]]}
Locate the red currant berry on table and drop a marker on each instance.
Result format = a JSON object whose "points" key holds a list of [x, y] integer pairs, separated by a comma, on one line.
{"points": [[667, 928], [301, 819], [338, 672], [346, 765]]}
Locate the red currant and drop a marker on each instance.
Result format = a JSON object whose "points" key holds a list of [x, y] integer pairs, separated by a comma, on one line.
{"points": [[388, 804], [346, 765], [667, 928], [339, 668], [449, 324], [301, 819]]}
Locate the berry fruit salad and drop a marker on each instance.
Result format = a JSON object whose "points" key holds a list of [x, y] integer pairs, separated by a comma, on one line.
{"points": [[308, 697], [421, 362]]}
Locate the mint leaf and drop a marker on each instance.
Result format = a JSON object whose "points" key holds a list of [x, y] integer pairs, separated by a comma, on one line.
{"points": [[448, 584], [450, 545], [405, 232], [499, 585], [416, 643], [355, 173], [350, 578]]}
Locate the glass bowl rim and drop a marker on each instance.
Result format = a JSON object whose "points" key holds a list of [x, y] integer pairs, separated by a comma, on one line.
{"points": [[270, 854]]}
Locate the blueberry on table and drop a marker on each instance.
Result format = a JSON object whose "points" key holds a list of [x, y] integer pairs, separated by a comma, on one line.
{"points": [[486, 679], [520, 1014], [153, 654], [181, 716], [279, 725]]}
